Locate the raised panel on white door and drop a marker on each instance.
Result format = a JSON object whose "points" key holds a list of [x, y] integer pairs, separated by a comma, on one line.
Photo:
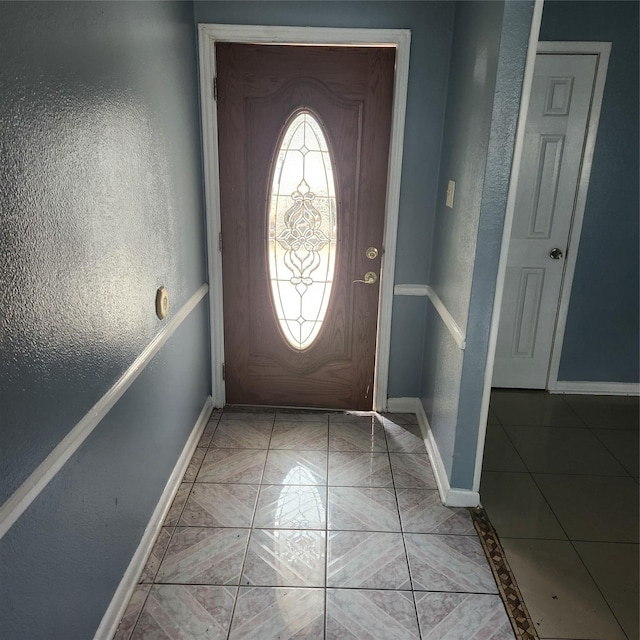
{"points": [[520, 338], [547, 185], [559, 91], [527, 313]]}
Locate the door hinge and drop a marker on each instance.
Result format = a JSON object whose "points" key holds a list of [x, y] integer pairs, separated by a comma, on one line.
{"points": [[215, 88], [223, 370], [220, 242]]}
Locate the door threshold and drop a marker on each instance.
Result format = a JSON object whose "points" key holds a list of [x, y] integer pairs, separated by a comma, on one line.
{"points": [[260, 408]]}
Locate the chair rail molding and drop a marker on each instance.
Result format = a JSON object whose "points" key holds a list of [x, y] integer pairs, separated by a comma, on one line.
{"points": [[449, 321], [29, 490]]}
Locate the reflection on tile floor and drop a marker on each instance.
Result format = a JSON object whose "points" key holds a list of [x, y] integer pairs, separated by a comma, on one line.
{"points": [[560, 485], [314, 525]]}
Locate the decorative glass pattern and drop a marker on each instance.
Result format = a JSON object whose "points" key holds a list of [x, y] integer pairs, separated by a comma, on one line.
{"points": [[302, 230]]}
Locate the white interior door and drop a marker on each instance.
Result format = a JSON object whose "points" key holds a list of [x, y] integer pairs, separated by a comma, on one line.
{"points": [[556, 128]]}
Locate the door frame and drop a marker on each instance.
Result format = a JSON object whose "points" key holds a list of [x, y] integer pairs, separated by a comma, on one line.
{"points": [[603, 51], [208, 35]]}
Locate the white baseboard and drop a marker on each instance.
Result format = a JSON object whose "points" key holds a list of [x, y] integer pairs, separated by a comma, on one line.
{"points": [[121, 597], [462, 498], [597, 388], [450, 497], [401, 405], [439, 471]]}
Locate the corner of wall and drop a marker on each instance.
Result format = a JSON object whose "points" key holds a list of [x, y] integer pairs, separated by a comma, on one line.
{"points": [[450, 496]]}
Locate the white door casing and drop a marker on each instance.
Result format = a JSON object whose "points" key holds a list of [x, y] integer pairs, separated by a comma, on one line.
{"points": [[550, 181]]}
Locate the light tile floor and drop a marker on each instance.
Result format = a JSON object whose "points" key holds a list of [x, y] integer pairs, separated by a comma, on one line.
{"points": [[311, 525], [560, 486]]}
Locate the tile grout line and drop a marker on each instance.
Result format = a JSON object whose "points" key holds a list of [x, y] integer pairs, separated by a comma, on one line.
{"points": [[341, 588], [326, 535], [135, 624], [524, 464], [173, 529], [515, 448], [555, 515], [595, 582], [544, 497], [573, 411], [251, 529], [402, 534], [604, 444], [587, 429]]}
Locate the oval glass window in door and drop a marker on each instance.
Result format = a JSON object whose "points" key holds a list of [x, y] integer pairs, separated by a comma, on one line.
{"points": [[302, 230]]}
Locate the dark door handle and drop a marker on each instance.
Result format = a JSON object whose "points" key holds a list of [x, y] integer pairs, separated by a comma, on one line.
{"points": [[556, 253]]}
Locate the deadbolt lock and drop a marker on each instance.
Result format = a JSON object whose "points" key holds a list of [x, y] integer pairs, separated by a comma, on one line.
{"points": [[372, 253]]}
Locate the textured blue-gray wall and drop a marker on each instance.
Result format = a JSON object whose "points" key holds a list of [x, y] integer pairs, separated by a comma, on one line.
{"points": [[62, 561], [602, 332], [489, 49], [100, 203], [512, 58], [430, 24], [474, 60]]}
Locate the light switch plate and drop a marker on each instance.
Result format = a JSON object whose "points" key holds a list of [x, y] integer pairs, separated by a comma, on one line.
{"points": [[451, 191]]}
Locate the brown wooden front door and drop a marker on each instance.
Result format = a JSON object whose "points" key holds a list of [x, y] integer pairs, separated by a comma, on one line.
{"points": [[277, 351]]}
